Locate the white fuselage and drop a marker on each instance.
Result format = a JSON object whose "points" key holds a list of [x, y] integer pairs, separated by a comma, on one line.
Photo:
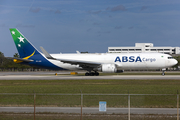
{"points": [[121, 60]]}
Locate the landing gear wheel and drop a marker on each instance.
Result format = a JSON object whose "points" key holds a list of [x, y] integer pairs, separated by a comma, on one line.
{"points": [[96, 74], [91, 74], [87, 74]]}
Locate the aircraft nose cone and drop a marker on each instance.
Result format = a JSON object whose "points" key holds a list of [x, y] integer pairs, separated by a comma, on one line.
{"points": [[175, 62]]}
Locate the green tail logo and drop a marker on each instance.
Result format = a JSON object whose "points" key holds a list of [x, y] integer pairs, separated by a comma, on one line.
{"points": [[24, 47]]}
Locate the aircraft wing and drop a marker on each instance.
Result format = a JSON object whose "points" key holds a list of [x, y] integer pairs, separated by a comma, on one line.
{"points": [[83, 64], [46, 53]]}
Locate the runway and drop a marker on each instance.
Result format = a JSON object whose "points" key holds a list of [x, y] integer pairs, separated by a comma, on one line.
{"points": [[89, 110], [65, 75], [74, 77]]}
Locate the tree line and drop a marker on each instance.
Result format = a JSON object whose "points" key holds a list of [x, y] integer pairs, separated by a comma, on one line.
{"points": [[8, 64]]}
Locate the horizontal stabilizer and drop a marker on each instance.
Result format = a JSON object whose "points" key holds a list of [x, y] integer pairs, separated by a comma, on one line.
{"points": [[19, 60]]}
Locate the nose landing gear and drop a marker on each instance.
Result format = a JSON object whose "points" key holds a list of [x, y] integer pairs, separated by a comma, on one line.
{"points": [[163, 71]]}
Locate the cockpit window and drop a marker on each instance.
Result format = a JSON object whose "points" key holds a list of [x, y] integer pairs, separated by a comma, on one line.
{"points": [[170, 58]]}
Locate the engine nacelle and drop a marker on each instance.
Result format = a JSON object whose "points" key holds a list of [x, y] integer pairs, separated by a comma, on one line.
{"points": [[109, 68]]}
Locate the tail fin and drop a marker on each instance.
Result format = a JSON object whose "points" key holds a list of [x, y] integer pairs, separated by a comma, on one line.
{"points": [[24, 47]]}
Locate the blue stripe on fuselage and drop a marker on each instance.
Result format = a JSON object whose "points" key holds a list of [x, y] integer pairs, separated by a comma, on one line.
{"points": [[40, 61]]}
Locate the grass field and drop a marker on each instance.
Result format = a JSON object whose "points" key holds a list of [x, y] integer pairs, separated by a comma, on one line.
{"points": [[90, 86], [85, 117]]}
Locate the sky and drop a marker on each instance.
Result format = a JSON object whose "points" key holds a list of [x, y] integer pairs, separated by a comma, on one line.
{"points": [[65, 26]]}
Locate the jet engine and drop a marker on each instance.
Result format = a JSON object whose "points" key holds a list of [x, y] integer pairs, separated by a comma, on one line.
{"points": [[109, 68]]}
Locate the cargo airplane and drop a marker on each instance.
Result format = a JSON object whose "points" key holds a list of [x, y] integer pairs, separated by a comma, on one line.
{"points": [[92, 63]]}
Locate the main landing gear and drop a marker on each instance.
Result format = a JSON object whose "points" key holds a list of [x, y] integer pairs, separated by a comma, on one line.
{"points": [[92, 74]]}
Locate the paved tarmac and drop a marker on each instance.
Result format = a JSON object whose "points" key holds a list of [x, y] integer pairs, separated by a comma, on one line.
{"points": [[61, 76], [72, 77], [89, 110]]}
